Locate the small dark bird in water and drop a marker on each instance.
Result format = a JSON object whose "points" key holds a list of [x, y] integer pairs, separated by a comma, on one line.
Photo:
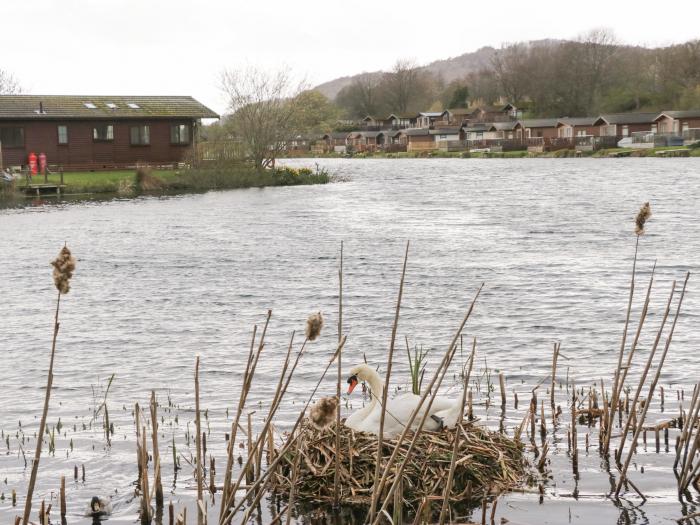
{"points": [[99, 507]]}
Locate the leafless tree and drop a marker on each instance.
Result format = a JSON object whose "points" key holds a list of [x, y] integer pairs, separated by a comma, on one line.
{"points": [[9, 84], [402, 85], [362, 97], [510, 65], [264, 107]]}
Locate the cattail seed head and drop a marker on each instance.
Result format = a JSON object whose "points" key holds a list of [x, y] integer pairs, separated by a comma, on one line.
{"points": [[323, 412], [63, 268], [642, 218], [313, 326]]}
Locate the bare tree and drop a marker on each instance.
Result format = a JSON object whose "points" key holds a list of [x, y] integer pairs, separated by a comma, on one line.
{"points": [[264, 108], [402, 85], [9, 84], [362, 97], [510, 65]]}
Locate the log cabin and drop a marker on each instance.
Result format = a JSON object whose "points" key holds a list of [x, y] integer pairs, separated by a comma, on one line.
{"points": [[622, 125], [683, 123], [100, 132]]}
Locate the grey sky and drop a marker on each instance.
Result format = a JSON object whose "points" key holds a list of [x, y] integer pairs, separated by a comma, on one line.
{"points": [[181, 46]]}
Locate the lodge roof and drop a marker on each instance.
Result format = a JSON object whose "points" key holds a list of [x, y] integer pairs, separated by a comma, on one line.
{"points": [[626, 118], [100, 107], [452, 130], [689, 113], [540, 123], [577, 121], [506, 126], [415, 132]]}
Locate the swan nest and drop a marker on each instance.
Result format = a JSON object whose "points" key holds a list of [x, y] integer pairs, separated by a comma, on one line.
{"points": [[487, 463]]}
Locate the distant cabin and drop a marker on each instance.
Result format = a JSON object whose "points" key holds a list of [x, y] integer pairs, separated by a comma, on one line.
{"points": [[98, 132]]}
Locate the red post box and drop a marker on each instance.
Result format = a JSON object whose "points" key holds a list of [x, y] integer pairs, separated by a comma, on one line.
{"points": [[42, 163], [32, 163]]}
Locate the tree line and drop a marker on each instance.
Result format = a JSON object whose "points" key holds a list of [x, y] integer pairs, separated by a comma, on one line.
{"points": [[589, 75]]}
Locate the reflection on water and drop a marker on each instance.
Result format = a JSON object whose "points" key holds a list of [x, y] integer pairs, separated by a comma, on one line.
{"points": [[161, 279]]}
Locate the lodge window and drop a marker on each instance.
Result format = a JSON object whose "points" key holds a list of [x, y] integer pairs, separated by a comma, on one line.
{"points": [[12, 137], [179, 134], [625, 131], [140, 135], [103, 132], [63, 134]]}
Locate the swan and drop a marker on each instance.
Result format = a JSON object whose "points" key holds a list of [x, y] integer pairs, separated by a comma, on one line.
{"points": [[444, 412]]}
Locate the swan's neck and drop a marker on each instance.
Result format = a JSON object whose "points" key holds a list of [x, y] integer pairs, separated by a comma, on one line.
{"points": [[376, 385]]}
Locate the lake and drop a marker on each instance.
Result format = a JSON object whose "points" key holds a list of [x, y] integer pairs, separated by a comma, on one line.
{"points": [[160, 280]]}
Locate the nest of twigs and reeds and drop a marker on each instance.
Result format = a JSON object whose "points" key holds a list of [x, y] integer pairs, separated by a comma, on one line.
{"points": [[487, 463]]}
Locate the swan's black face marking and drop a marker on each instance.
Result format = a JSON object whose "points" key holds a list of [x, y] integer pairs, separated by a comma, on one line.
{"points": [[352, 382]]}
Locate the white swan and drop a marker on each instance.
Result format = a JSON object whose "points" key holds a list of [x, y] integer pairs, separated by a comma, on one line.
{"points": [[443, 413]]}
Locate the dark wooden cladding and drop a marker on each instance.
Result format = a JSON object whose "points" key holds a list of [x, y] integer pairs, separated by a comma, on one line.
{"points": [[83, 152]]}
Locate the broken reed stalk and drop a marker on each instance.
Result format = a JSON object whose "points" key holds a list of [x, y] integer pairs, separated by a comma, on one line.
{"points": [[198, 441], [42, 423], [157, 483], [455, 449], [336, 477], [279, 393], [385, 391], [432, 387], [63, 497], [685, 477], [502, 386], [574, 434], [248, 374], [640, 325], [262, 481], [652, 387], [616, 379], [555, 358], [645, 372], [684, 433], [142, 450], [295, 477]]}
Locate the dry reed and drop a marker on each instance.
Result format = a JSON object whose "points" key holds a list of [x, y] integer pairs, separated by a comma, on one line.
{"points": [[64, 266]]}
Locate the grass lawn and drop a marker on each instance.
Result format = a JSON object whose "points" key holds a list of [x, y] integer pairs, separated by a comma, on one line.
{"points": [[126, 182], [96, 181]]}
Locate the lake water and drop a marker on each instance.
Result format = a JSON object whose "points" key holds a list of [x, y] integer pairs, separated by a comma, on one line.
{"points": [[162, 279]]}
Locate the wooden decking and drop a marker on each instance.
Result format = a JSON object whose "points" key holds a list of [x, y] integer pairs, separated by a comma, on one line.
{"points": [[42, 189]]}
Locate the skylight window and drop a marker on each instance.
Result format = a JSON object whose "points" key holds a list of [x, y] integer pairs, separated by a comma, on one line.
{"points": [[111, 105], [133, 106], [89, 105]]}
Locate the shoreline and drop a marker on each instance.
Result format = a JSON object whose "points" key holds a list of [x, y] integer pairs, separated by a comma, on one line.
{"points": [[135, 183], [683, 152]]}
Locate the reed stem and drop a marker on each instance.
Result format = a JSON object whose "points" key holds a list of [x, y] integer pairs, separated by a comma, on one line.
{"points": [[455, 449], [385, 391], [42, 424]]}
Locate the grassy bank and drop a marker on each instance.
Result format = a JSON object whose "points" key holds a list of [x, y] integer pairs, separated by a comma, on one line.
{"points": [[129, 182]]}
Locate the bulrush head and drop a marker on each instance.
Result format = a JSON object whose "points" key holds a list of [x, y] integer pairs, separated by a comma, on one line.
{"points": [[313, 326], [642, 218], [63, 268], [323, 412]]}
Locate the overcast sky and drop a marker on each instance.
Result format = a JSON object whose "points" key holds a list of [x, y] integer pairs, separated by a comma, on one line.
{"points": [[180, 47]]}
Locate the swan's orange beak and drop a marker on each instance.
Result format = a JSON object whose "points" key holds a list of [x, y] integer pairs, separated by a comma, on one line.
{"points": [[352, 383]]}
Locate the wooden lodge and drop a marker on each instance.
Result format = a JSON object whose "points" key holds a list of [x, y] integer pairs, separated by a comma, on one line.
{"points": [[622, 125], [683, 123], [98, 132]]}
